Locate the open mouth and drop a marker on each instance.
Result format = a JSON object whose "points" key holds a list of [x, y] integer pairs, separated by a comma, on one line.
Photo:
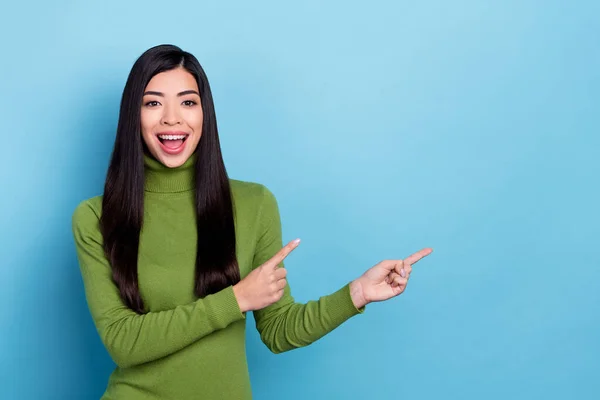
{"points": [[172, 143]]}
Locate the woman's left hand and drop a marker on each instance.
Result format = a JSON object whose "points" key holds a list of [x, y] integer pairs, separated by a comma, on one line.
{"points": [[385, 280]]}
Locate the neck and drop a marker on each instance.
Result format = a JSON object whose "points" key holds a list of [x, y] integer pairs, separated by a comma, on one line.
{"points": [[162, 179]]}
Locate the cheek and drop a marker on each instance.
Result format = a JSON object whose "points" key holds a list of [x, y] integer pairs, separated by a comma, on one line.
{"points": [[148, 121], [150, 118], [195, 120]]}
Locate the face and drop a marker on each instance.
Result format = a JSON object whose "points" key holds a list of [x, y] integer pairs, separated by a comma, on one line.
{"points": [[172, 116]]}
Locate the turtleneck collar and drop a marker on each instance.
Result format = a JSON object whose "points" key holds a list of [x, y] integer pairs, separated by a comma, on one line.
{"points": [[162, 179]]}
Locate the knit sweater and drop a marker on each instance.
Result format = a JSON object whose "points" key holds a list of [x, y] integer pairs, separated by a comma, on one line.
{"points": [[185, 347]]}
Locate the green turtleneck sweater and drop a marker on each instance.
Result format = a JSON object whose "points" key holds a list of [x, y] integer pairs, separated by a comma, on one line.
{"points": [[185, 347]]}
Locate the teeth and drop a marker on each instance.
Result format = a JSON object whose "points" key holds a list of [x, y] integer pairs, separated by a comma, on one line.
{"points": [[172, 137]]}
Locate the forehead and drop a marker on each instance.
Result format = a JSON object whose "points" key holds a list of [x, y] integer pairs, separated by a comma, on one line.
{"points": [[173, 81]]}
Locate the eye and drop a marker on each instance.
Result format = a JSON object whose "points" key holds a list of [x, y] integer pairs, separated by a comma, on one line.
{"points": [[152, 103], [189, 103]]}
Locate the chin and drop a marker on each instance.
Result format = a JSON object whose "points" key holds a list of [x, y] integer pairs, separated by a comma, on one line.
{"points": [[173, 161]]}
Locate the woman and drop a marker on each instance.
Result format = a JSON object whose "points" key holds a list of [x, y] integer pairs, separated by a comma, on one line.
{"points": [[174, 254]]}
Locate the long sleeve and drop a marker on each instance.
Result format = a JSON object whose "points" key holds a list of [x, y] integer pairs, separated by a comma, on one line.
{"points": [[130, 338], [286, 325]]}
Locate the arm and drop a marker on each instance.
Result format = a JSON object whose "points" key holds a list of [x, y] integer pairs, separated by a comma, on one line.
{"points": [[285, 324], [130, 338]]}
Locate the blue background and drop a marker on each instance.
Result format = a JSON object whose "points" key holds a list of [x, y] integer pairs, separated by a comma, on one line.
{"points": [[382, 127]]}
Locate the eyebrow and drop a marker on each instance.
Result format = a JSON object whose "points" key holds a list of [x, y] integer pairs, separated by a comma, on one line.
{"points": [[161, 94]]}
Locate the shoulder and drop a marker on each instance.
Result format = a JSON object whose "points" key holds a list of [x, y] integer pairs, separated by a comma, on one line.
{"points": [[87, 214], [252, 192], [253, 198]]}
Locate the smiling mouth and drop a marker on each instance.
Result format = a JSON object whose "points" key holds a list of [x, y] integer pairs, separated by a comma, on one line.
{"points": [[172, 143], [168, 138]]}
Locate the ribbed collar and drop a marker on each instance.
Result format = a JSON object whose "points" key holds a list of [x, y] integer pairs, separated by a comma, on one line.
{"points": [[162, 179]]}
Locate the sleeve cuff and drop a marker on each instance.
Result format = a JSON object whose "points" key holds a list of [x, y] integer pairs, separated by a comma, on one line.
{"points": [[341, 305], [225, 306]]}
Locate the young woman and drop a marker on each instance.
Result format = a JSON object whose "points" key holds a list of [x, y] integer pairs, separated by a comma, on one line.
{"points": [[174, 253]]}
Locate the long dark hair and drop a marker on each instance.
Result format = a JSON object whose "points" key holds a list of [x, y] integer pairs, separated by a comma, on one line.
{"points": [[123, 200]]}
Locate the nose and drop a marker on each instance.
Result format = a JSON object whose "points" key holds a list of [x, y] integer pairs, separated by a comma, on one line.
{"points": [[170, 116]]}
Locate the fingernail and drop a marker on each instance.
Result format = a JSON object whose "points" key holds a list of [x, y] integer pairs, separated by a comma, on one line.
{"points": [[297, 241], [403, 273]]}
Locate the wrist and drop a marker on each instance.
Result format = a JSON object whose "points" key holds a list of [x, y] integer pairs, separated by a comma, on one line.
{"points": [[237, 292], [357, 294]]}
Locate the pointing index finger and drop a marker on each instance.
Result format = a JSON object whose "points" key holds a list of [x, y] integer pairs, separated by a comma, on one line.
{"points": [[413, 258], [283, 253]]}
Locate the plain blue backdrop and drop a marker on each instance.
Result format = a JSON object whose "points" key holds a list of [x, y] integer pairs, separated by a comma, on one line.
{"points": [[382, 127]]}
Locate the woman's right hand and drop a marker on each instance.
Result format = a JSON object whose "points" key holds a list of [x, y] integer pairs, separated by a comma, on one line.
{"points": [[264, 285]]}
